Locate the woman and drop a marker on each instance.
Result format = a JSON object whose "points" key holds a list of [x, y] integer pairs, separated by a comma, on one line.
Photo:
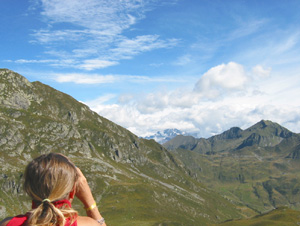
{"points": [[52, 181]]}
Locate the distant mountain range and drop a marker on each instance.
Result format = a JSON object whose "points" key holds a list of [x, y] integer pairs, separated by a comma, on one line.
{"points": [[257, 167], [166, 135], [187, 181], [263, 134]]}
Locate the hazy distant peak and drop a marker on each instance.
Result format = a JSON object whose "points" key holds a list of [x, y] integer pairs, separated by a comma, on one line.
{"points": [[165, 135]]}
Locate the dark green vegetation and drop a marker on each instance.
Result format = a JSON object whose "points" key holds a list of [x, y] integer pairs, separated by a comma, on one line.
{"points": [[135, 181], [257, 167]]}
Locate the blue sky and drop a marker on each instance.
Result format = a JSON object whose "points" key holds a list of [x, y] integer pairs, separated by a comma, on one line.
{"points": [[201, 66]]}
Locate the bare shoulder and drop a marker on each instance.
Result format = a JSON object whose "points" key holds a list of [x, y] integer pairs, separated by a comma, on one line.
{"points": [[85, 221], [5, 221]]}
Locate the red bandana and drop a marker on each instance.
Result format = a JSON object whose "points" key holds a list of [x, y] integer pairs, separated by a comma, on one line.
{"points": [[20, 220]]}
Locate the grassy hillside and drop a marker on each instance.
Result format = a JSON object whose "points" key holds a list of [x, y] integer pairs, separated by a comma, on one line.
{"points": [[258, 167], [135, 181], [278, 217]]}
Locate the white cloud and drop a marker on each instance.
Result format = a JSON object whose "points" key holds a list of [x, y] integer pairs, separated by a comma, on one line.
{"points": [[84, 78], [24, 61], [184, 60], [45, 36], [220, 79], [288, 43], [126, 48], [279, 48], [94, 27], [52, 62], [94, 104], [88, 65], [246, 28], [258, 70], [96, 64], [110, 16], [272, 98]]}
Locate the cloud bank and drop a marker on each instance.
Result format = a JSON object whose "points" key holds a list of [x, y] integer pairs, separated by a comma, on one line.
{"points": [[251, 95]]}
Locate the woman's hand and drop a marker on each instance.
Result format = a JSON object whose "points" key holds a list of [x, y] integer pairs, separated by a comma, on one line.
{"points": [[84, 194], [83, 191]]}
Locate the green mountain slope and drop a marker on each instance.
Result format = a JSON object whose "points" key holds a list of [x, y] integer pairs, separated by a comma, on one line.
{"points": [[135, 181], [262, 134], [278, 217], [257, 167]]}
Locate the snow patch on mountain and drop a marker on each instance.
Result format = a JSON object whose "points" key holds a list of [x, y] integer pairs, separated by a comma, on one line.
{"points": [[166, 135]]}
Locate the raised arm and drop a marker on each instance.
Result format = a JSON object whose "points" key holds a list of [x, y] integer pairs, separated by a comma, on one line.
{"points": [[84, 194]]}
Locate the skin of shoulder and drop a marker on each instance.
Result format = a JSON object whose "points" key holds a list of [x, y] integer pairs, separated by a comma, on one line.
{"points": [[85, 221], [5, 221]]}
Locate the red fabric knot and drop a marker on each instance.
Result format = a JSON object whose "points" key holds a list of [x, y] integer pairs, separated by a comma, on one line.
{"points": [[20, 220]]}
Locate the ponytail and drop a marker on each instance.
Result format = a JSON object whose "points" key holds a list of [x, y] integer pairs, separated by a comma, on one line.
{"points": [[46, 214]]}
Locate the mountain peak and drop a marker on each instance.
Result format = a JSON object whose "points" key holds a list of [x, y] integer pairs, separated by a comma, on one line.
{"points": [[15, 79], [232, 133], [165, 135], [15, 90], [269, 128], [264, 123]]}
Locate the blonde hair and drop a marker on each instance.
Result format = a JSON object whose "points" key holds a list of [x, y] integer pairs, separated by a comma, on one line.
{"points": [[50, 177]]}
